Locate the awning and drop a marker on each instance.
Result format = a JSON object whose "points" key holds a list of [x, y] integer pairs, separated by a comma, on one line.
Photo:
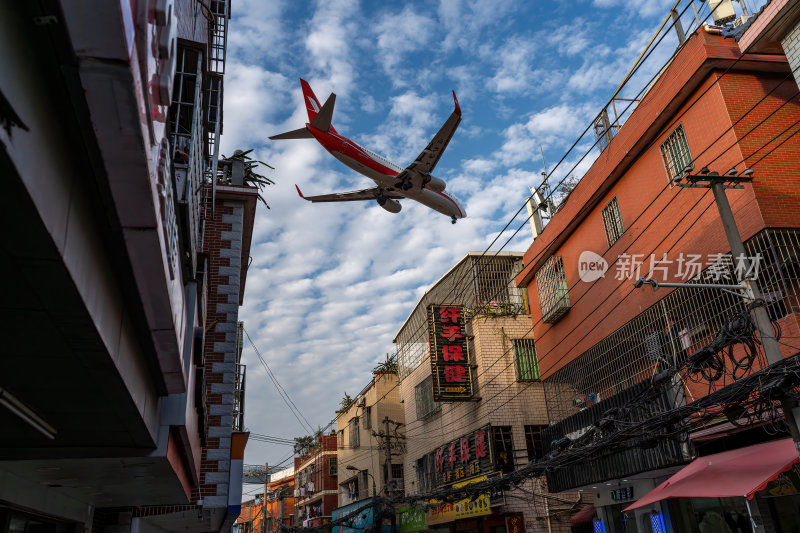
{"points": [[586, 514], [740, 472]]}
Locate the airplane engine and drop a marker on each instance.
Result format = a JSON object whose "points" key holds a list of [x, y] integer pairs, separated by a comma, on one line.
{"points": [[393, 206], [436, 184]]}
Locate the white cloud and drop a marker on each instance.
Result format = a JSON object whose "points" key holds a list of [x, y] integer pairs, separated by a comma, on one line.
{"points": [[330, 29], [398, 34]]}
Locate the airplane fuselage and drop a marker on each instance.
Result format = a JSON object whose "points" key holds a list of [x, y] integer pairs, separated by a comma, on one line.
{"points": [[383, 172]]}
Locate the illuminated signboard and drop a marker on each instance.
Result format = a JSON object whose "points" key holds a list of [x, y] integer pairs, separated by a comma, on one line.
{"points": [[463, 458], [450, 361]]}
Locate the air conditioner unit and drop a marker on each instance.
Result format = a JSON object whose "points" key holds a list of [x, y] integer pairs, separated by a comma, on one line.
{"points": [[361, 402]]}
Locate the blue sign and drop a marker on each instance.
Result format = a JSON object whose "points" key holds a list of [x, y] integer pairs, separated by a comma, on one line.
{"points": [[360, 521]]}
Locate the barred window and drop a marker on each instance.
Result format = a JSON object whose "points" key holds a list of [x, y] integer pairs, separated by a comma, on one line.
{"points": [[423, 396], [525, 362], [503, 448], [355, 435], [533, 441], [612, 220], [553, 290], [340, 439], [675, 151], [366, 421], [333, 466]]}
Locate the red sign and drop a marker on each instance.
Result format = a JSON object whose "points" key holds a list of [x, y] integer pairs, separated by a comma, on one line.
{"points": [[463, 458], [450, 364]]}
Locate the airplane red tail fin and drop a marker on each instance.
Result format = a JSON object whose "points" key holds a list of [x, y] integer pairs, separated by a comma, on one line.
{"points": [[312, 102]]}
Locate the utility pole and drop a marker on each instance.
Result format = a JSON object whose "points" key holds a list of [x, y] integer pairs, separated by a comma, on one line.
{"points": [[388, 484], [718, 183], [264, 500]]}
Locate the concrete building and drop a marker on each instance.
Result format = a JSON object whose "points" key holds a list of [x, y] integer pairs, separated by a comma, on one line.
{"points": [[113, 414], [494, 426], [363, 427], [316, 490], [600, 341]]}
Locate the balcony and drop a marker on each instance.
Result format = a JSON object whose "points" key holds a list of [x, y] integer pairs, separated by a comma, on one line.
{"points": [[663, 452]]}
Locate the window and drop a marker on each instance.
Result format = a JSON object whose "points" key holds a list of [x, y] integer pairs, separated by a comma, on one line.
{"points": [[355, 434], [366, 422], [612, 220], [332, 467], [533, 441], [397, 471], [553, 290], [340, 439], [675, 151], [503, 446], [525, 362], [426, 478], [423, 396]]}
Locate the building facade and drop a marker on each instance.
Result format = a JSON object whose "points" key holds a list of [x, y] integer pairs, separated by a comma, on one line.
{"points": [[604, 344], [111, 117], [492, 428], [316, 489], [361, 441]]}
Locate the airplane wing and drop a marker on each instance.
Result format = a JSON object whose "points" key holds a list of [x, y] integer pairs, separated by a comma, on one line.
{"points": [[427, 160], [352, 196]]}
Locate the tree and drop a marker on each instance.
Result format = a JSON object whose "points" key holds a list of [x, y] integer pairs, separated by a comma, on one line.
{"points": [[251, 178], [345, 401], [388, 365]]}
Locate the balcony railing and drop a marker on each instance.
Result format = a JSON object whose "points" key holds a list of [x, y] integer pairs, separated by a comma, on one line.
{"points": [[664, 452], [675, 327]]}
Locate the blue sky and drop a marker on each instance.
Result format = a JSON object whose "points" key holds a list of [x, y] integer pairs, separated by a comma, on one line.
{"points": [[330, 284]]}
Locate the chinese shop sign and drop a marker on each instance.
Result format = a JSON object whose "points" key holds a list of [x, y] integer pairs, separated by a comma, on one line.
{"points": [[468, 507], [450, 363], [412, 519], [463, 458]]}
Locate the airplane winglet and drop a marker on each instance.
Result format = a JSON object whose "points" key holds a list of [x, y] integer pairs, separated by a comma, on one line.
{"points": [[298, 192], [458, 107]]}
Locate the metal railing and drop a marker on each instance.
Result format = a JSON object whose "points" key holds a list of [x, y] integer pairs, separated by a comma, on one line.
{"points": [[238, 398], [675, 327]]}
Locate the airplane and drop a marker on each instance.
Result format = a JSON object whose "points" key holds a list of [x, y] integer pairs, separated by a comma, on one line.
{"points": [[393, 182]]}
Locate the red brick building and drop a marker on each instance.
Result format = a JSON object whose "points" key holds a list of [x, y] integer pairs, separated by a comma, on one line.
{"points": [[316, 490], [597, 337]]}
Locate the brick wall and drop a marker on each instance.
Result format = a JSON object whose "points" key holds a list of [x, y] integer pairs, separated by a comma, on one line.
{"points": [[223, 244], [504, 401]]}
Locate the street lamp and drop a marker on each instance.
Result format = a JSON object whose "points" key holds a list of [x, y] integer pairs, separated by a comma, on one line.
{"points": [[356, 469]]}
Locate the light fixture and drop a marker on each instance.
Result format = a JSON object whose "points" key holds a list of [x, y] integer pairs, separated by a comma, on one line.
{"points": [[704, 170], [351, 467], [748, 172], [732, 172], [26, 414]]}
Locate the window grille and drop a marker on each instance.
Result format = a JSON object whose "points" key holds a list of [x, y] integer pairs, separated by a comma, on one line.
{"points": [[333, 466], [525, 362], [397, 471], [340, 439], [366, 419], [355, 435], [423, 396], [675, 151], [533, 441], [612, 220], [503, 447], [553, 290]]}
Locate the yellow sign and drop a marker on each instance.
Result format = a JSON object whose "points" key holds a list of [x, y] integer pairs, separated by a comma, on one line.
{"points": [[441, 514], [468, 508]]}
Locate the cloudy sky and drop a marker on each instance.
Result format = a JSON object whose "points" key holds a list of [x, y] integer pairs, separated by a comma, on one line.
{"points": [[330, 284]]}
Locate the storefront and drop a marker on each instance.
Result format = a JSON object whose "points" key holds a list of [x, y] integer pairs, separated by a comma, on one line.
{"points": [[363, 518], [756, 488]]}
